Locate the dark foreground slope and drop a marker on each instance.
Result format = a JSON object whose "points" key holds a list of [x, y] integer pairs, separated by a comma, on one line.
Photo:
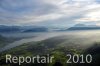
{"points": [[58, 47]]}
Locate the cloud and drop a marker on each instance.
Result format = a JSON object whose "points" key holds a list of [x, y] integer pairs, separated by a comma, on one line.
{"points": [[92, 15], [21, 12]]}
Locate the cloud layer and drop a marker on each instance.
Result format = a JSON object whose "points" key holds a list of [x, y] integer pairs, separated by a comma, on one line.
{"points": [[52, 12]]}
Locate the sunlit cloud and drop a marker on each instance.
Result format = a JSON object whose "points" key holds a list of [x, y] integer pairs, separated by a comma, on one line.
{"points": [[91, 16], [62, 12]]}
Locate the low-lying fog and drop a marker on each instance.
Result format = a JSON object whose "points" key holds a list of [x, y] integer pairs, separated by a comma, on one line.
{"points": [[82, 37]]}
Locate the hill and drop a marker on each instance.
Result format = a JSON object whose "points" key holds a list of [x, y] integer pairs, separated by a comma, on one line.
{"points": [[84, 27], [36, 29]]}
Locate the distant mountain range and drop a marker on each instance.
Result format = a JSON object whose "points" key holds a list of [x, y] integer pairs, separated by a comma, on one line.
{"points": [[37, 29], [84, 27], [6, 29]]}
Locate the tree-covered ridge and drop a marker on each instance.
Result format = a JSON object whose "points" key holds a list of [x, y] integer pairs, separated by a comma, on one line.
{"points": [[54, 46]]}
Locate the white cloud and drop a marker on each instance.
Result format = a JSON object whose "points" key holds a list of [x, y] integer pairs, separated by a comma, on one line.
{"points": [[92, 15], [33, 11]]}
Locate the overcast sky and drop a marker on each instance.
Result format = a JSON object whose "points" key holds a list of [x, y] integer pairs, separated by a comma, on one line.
{"points": [[49, 12]]}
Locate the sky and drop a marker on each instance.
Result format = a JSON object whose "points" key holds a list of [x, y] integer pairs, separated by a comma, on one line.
{"points": [[61, 13]]}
